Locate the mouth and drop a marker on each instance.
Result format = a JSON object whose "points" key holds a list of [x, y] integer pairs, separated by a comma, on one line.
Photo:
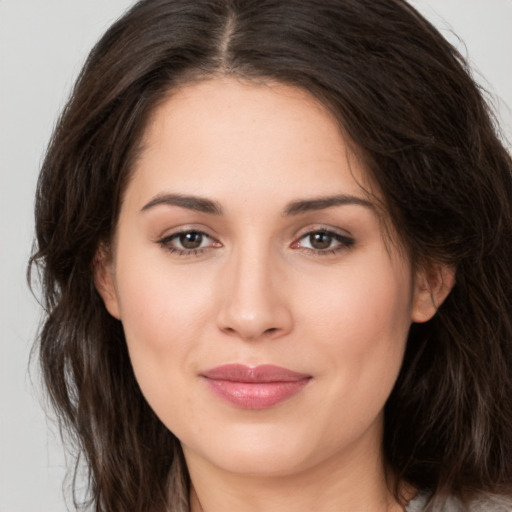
{"points": [[258, 387]]}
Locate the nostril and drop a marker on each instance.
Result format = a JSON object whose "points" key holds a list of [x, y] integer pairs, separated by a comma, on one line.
{"points": [[252, 335]]}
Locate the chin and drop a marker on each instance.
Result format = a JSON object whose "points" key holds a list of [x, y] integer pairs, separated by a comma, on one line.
{"points": [[260, 451]]}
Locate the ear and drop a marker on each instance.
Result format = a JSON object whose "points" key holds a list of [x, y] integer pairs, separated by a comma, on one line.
{"points": [[103, 269], [432, 286]]}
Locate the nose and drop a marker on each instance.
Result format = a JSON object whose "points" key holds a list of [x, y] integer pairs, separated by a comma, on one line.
{"points": [[254, 300]]}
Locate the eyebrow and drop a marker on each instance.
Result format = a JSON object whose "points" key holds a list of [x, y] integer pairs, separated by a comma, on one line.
{"points": [[321, 203], [199, 204], [203, 205]]}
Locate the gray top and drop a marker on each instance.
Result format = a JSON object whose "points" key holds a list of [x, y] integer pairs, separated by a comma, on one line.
{"points": [[488, 503]]}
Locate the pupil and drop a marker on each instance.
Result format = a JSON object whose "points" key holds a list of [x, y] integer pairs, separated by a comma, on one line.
{"points": [[191, 240], [320, 240]]}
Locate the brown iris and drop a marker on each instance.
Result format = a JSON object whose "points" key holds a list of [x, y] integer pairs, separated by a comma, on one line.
{"points": [[320, 241], [191, 240]]}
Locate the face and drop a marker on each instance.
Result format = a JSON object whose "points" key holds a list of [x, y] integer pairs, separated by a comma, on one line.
{"points": [[265, 312]]}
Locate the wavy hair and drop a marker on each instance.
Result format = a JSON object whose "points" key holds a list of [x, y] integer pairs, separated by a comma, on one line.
{"points": [[406, 98]]}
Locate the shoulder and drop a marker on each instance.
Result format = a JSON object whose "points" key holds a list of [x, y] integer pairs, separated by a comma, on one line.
{"points": [[492, 503], [485, 503]]}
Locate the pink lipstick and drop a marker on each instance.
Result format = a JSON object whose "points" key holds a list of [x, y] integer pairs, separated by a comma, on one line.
{"points": [[257, 387]]}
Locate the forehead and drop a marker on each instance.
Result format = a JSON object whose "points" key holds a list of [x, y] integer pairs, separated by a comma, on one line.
{"points": [[215, 136]]}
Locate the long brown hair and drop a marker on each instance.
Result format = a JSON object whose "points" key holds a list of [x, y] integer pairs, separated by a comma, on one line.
{"points": [[408, 102]]}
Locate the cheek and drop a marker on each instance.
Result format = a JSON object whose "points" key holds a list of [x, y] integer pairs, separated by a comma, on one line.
{"points": [[158, 303], [163, 314], [361, 322], [361, 298]]}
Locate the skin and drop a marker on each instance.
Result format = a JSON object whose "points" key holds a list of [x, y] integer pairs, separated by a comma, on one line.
{"points": [[260, 291]]}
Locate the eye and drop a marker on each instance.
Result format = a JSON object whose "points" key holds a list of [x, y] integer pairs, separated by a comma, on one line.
{"points": [[190, 242], [323, 242]]}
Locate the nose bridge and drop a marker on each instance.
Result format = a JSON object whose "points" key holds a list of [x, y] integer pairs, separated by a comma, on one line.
{"points": [[254, 302]]}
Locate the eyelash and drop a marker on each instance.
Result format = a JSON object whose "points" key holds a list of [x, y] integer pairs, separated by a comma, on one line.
{"points": [[166, 241], [344, 243]]}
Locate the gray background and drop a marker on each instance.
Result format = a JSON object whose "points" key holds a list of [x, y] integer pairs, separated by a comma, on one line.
{"points": [[42, 46]]}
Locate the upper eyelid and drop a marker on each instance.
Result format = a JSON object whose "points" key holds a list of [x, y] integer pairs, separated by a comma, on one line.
{"points": [[168, 241], [175, 234], [169, 233], [334, 234], [341, 238], [322, 228]]}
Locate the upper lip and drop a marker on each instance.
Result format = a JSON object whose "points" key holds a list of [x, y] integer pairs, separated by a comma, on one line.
{"points": [[253, 374]]}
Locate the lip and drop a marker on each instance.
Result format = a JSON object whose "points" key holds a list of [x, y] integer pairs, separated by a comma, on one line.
{"points": [[258, 387]]}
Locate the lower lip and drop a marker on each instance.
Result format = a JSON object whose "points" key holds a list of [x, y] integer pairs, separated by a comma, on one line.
{"points": [[255, 395]]}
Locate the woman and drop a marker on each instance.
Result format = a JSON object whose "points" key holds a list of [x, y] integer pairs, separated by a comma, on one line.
{"points": [[274, 239]]}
